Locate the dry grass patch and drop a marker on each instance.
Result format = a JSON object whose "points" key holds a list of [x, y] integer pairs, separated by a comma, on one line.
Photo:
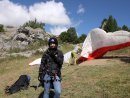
{"points": [[99, 81], [101, 78]]}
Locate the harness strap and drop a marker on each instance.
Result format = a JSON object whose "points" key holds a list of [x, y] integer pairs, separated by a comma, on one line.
{"points": [[55, 76], [47, 81], [51, 80]]}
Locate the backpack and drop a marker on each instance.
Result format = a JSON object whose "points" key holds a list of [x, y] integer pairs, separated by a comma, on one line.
{"points": [[21, 84]]}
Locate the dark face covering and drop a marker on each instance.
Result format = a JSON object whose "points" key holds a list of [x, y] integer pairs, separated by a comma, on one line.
{"points": [[52, 47], [52, 43]]}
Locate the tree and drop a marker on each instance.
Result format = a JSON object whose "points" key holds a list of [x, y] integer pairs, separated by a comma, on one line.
{"points": [[103, 23], [1, 28], [72, 35], [124, 27], [63, 36], [81, 38], [109, 25], [69, 36]]}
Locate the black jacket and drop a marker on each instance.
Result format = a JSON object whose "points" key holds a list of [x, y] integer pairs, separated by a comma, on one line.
{"points": [[51, 62]]}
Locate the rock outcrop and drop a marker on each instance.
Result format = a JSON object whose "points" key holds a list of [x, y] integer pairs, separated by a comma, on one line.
{"points": [[20, 38]]}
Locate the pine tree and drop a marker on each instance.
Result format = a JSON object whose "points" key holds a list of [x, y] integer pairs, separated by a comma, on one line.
{"points": [[124, 27], [110, 24]]}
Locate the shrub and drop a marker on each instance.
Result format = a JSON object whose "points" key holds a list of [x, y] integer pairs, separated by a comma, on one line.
{"points": [[1, 28]]}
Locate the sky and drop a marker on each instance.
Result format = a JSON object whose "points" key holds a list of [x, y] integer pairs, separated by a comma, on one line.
{"points": [[59, 15]]}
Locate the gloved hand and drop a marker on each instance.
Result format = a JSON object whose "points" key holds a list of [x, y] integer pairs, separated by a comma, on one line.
{"points": [[53, 54]]}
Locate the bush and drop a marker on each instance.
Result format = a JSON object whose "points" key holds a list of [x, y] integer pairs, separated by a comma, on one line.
{"points": [[1, 28], [34, 24]]}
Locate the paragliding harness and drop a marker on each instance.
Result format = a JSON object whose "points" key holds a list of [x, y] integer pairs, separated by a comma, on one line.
{"points": [[21, 84], [52, 75]]}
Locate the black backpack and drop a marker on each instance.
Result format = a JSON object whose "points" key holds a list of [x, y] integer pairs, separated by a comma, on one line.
{"points": [[21, 84]]}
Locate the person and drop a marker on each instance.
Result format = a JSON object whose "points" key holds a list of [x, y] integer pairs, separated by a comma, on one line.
{"points": [[50, 68], [77, 49], [75, 54]]}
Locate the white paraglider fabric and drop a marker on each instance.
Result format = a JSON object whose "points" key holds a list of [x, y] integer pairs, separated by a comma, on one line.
{"points": [[98, 42], [66, 59], [36, 62]]}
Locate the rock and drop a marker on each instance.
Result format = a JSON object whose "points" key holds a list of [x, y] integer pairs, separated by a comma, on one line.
{"points": [[23, 30], [20, 38]]}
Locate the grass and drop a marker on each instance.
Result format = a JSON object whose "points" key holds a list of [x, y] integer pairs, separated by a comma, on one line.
{"points": [[66, 47], [110, 80], [97, 82]]}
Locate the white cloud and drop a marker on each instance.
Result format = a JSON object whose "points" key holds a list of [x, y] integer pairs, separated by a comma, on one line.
{"points": [[49, 12], [12, 14], [58, 29], [80, 9], [77, 23]]}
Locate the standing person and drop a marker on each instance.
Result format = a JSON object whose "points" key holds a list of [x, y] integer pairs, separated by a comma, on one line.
{"points": [[50, 68]]}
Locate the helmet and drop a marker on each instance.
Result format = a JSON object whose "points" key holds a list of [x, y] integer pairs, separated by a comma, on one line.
{"points": [[53, 40]]}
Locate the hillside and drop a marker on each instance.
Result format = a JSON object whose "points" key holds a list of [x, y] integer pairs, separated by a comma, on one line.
{"points": [[23, 39], [107, 77]]}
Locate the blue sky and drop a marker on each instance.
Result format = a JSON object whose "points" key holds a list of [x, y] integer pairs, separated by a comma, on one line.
{"points": [[59, 15]]}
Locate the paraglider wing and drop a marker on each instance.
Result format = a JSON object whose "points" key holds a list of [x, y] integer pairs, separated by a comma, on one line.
{"points": [[67, 57], [98, 42], [36, 62]]}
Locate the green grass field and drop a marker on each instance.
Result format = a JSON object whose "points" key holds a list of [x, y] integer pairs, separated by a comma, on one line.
{"points": [[100, 78]]}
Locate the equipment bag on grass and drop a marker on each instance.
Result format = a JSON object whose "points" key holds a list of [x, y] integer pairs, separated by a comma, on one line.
{"points": [[21, 84]]}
